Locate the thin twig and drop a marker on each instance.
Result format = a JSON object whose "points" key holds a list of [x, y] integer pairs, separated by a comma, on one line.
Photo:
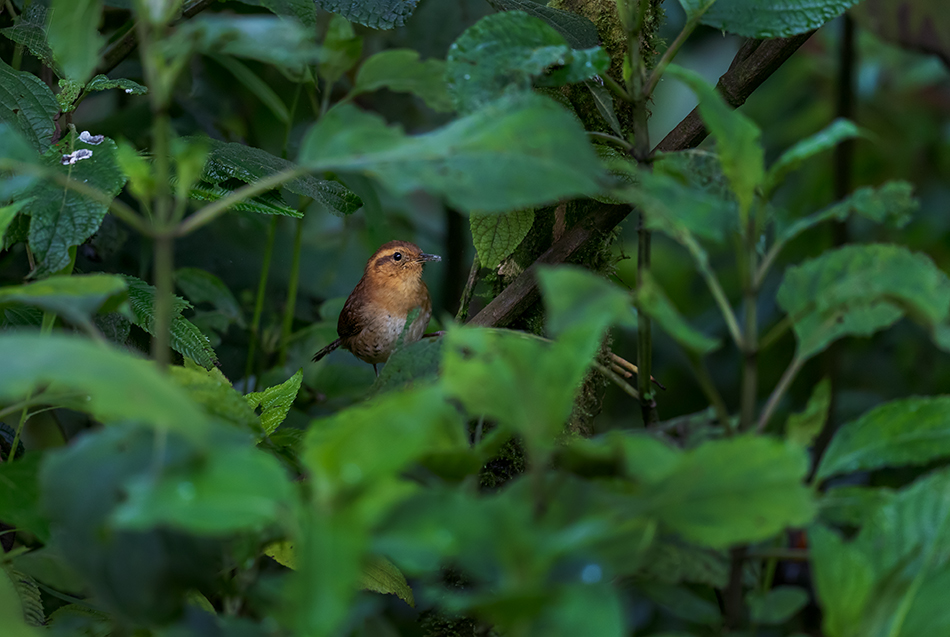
{"points": [[462, 313], [669, 54], [611, 139], [617, 380], [779, 391]]}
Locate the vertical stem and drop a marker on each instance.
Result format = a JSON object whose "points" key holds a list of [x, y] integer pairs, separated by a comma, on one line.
{"points": [[292, 286], [163, 267], [750, 336], [259, 306], [732, 596]]}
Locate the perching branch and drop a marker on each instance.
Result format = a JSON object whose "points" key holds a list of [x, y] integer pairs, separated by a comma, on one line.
{"points": [[753, 64]]}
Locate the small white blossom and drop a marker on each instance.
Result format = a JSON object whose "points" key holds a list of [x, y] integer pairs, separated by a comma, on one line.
{"points": [[73, 157]]}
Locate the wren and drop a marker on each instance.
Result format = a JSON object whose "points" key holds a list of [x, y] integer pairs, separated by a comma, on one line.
{"points": [[375, 313]]}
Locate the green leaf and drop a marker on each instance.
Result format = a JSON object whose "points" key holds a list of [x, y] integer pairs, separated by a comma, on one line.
{"points": [[303, 10], [342, 50], [683, 603], [402, 71], [579, 31], [860, 289], [577, 299], [802, 428], [582, 609], [7, 215], [852, 506], [376, 14], [695, 8], [506, 52], [604, 101], [236, 488], [61, 218], [773, 18], [27, 106], [893, 203], [74, 36], [11, 609], [497, 236], [200, 286], [912, 431], [103, 83], [270, 203], [521, 151], [777, 605], [381, 576], [737, 138], [651, 300], [255, 85], [29, 29], [275, 402], [75, 298], [415, 363], [249, 164], [677, 209], [19, 497], [671, 561], [117, 386], [826, 139], [217, 398], [186, 339], [738, 490]]}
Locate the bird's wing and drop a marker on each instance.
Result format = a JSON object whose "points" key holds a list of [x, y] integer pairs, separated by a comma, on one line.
{"points": [[351, 320]]}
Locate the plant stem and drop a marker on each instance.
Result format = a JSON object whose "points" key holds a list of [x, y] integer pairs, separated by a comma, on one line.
{"points": [[292, 286], [779, 391], [617, 380], [732, 596], [462, 313], [615, 88], [611, 139], [750, 339], [669, 54], [259, 307]]}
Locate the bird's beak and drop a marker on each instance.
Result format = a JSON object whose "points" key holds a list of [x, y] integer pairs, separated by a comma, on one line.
{"points": [[429, 257]]}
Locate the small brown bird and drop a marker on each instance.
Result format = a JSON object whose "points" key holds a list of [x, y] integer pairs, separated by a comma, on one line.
{"points": [[375, 314]]}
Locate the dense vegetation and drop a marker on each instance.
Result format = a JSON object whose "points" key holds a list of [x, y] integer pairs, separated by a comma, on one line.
{"points": [[189, 190]]}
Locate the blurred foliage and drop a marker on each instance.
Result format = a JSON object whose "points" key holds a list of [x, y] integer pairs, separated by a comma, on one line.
{"points": [[177, 465]]}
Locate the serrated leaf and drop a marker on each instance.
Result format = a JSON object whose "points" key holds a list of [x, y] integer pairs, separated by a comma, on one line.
{"points": [[382, 576], [651, 300], [270, 203], [826, 139], [738, 490], [200, 286], [773, 18], [402, 71], [912, 431], [579, 31], [30, 31], [27, 106], [802, 428], [61, 218], [521, 151], [737, 138], [508, 52], [376, 14], [186, 338], [249, 164], [103, 83], [75, 298], [74, 37], [893, 203], [497, 236], [860, 289], [214, 393], [275, 402]]}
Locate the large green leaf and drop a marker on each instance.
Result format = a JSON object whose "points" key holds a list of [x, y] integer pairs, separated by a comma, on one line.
{"points": [[302, 10], [30, 31], [579, 31], [19, 497], [858, 290], [61, 218], [75, 298], [497, 236], [402, 71], [116, 386], [249, 164], [11, 609], [737, 138], [508, 52], [378, 14], [773, 18], [738, 490], [521, 151], [236, 488], [912, 431], [27, 106], [186, 338], [74, 37]]}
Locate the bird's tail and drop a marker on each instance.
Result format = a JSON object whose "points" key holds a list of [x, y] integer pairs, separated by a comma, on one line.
{"points": [[326, 350]]}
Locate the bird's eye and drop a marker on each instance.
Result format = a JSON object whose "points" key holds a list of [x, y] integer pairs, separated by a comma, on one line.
{"points": [[397, 256]]}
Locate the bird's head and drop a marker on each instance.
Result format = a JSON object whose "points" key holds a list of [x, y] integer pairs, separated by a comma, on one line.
{"points": [[398, 259]]}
